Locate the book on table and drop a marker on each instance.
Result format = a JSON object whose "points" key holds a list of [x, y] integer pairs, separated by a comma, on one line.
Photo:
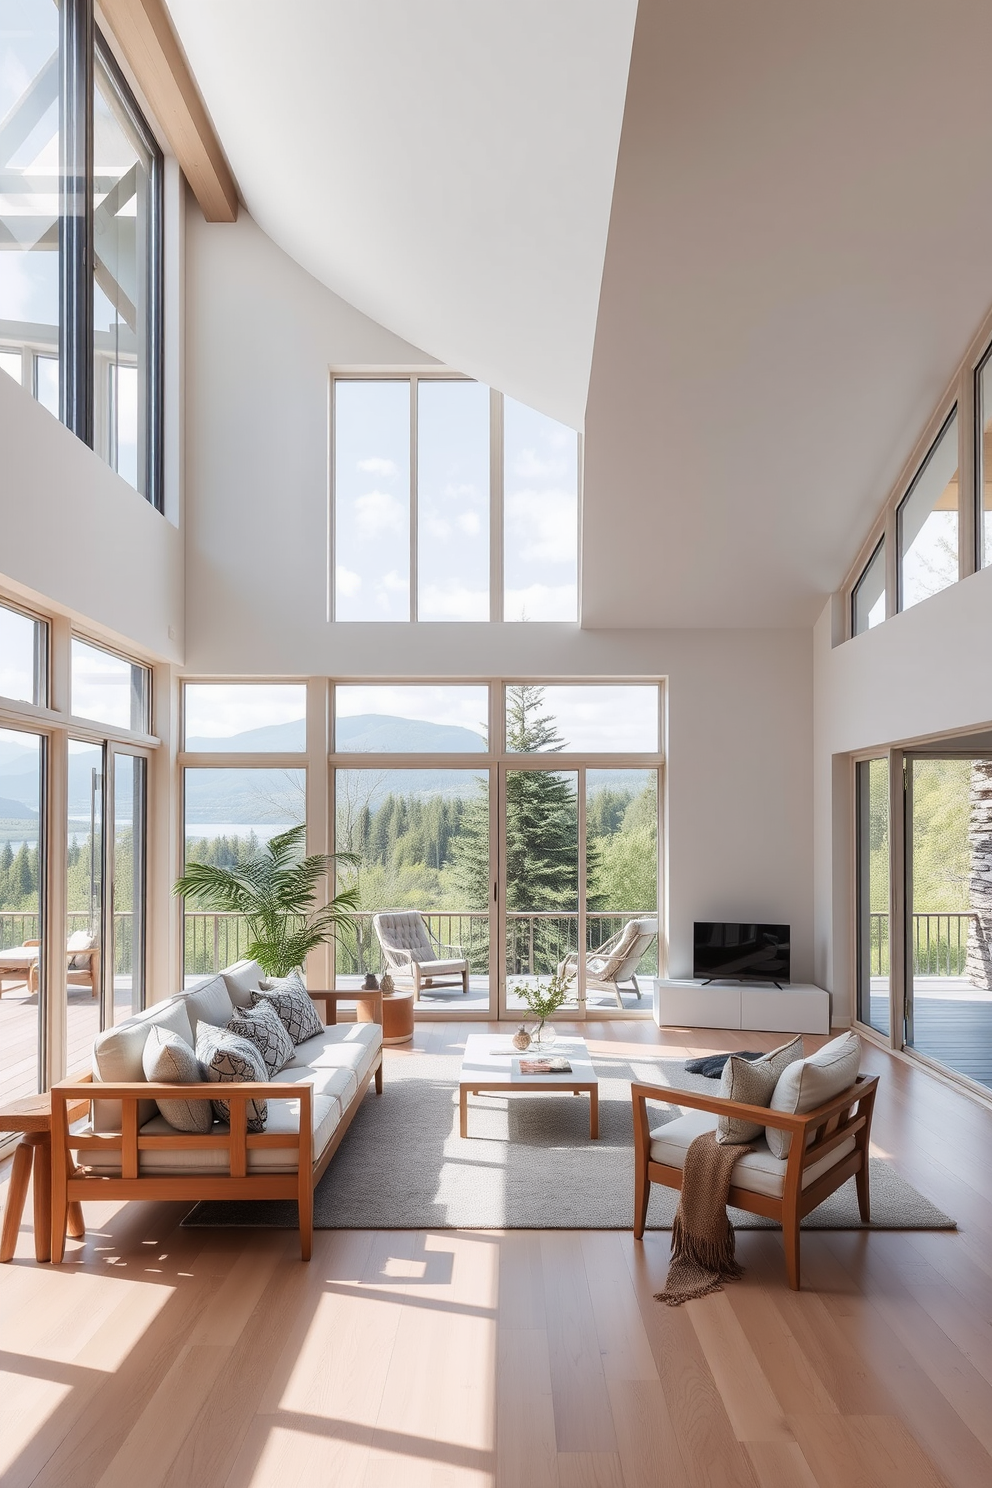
{"points": [[556, 1066]]}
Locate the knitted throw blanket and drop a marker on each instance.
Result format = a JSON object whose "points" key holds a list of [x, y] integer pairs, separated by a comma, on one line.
{"points": [[703, 1238]]}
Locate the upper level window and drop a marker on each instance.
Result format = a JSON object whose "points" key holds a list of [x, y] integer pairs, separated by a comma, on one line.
{"points": [[80, 268], [983, 464], [441, 486], [868, 598], [23, 657], [927, 522], [245, 717], [109, 688]]}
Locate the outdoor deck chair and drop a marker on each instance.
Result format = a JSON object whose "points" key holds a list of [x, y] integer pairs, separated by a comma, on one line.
{"points": [[412, 953], [616, 960]]}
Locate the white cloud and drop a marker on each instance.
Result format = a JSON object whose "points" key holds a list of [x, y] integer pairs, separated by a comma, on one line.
{"points": [[378, 512], [434, 526], [542, 526], [469, 523], [375, 465], [453, 602], [394, 583], [348, 582], [529, 466], [542, 602]]}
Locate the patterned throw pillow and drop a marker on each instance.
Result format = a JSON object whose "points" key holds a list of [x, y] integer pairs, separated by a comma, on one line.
{"points": [[753, 1082], [293, 1004], [168, 1058], [224, 1056], [261, 1025]]}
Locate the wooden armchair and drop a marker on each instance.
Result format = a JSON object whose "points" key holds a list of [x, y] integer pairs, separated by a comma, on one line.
{"points": [[842, 1126]]}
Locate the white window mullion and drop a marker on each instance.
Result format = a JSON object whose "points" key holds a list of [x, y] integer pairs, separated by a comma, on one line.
{"points": [[495, 506], [414, 524]]}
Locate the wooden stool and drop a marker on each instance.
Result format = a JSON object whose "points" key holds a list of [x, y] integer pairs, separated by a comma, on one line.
{"points": [[33, 1118], [397, 1018]]}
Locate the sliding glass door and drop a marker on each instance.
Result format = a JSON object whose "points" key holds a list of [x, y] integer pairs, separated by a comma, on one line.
{"points": [[874, 970], [22, 878]]}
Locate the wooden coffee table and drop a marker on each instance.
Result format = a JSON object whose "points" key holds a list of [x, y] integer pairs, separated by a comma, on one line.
{"points": [[491, 1063]]}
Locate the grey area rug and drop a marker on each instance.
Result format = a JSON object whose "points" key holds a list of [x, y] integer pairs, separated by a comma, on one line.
{"points": [[528, 1162]]}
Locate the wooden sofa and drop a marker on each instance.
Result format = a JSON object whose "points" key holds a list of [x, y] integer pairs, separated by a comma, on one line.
{"points": [[127, 1150], [829, 1146]]}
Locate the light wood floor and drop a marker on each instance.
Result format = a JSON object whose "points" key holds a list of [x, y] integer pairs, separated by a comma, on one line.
{"points": [[169, 1358]]}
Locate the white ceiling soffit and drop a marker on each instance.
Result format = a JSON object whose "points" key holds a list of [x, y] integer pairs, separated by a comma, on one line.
{"points": [[800, 250], [446, 167]]}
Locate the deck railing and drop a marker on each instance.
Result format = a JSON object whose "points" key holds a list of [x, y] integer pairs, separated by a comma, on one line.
{"points": [[17, 926], [940, 943]]}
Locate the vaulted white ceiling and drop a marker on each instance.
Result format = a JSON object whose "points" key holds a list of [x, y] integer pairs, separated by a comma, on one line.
{"points": [[447, 167], [799, 250]]}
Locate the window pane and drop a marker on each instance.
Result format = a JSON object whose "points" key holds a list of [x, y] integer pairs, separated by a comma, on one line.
{"points": [[985, 461], [595, 719], [372, 500], [873, 893], [128, 908], [453, 501], [541, 877], [541, 516], [422, 838], [411, 720], [868, 599], [108, 688], [928, 522], [250, 718], [29, 199], [11, 362], [621, 885], [46, 382], [229, 816], [84, 901], [22, 657], [21, 880]]}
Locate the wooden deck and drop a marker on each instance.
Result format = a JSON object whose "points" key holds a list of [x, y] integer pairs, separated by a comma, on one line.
{"points": [[524, 1359], [952, 1023], [19, 1037]]}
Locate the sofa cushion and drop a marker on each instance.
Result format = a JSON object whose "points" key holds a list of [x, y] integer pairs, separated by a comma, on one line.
{"points": [[262, 1026], [340, 1084], [752, 1081], [284, 1116], [293, 1004], [351, 1046], [169, 1058], [812, 1082], [117, 1056], [242, 980], [226, 1057], [208, 1002], [759, 1172]]}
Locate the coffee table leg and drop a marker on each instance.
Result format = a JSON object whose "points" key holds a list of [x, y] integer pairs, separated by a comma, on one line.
{"points": [[594, 1112], [20, 1173], [463, 1109], [42, 1196]]}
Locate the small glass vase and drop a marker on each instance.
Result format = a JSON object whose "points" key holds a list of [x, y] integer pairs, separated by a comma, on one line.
{"points": [[543, 1036]]}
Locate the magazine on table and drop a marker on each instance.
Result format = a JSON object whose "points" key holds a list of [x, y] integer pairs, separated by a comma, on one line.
{"points": [[555, 1066]]}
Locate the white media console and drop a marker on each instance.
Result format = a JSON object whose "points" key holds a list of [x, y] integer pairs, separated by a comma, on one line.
{"points": [[795, 1008]]}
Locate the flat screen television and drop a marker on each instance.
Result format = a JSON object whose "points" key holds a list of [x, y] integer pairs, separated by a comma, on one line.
{"points": [[725, 950]]}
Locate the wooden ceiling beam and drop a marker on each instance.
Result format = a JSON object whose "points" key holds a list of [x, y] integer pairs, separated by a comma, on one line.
{"points": [[144, 33]]}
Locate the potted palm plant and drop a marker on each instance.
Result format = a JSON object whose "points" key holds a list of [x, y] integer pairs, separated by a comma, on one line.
{"points": [[275, 892]]}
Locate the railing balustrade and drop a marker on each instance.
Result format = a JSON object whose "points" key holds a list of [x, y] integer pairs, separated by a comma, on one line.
{"points": [[940, 943]]}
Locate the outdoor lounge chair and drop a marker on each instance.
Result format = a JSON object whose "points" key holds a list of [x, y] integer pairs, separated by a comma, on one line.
{"points": [[20, 964], [412, 953], [617, 959]]}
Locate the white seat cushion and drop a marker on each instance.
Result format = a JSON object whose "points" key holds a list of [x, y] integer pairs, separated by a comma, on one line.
{"points": [[342, 1046], [284, 1116], [440, 968], [758, 1171], [21, 958]]}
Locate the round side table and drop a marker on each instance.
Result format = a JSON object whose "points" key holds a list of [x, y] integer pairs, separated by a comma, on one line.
{"points": [[397, 1018]]}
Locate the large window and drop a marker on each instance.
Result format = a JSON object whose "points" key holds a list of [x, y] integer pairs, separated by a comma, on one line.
{"points": [[451, 502], [868, 599], [109, 688], [23, 656], [80, 236], [983, 460]]}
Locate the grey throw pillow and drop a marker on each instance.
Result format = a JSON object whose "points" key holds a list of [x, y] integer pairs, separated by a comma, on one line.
{"points": [[261, 1025], [753, 1081], [812, 1082], [168, 1058], [291, 1001], [225, 1056]]}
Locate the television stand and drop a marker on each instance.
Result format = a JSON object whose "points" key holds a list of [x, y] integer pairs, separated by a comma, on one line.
{"points": [[744, 981], [797, 1008]]}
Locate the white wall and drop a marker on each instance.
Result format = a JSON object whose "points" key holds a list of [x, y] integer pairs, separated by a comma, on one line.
{"points": [[76, 538]]}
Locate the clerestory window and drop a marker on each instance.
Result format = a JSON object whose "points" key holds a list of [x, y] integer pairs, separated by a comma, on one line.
{"points": [[80, 236], [450, 502]]}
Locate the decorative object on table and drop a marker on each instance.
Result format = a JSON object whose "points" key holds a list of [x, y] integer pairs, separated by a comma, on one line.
{"points": [[386, 985], [521, 1039], [543, 1000], [545, 1067], [711, 1065], [275, 892], [371, 982]]}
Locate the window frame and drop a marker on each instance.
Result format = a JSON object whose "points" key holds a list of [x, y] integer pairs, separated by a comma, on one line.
{"points": [[496, 494], [951, 417]]}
